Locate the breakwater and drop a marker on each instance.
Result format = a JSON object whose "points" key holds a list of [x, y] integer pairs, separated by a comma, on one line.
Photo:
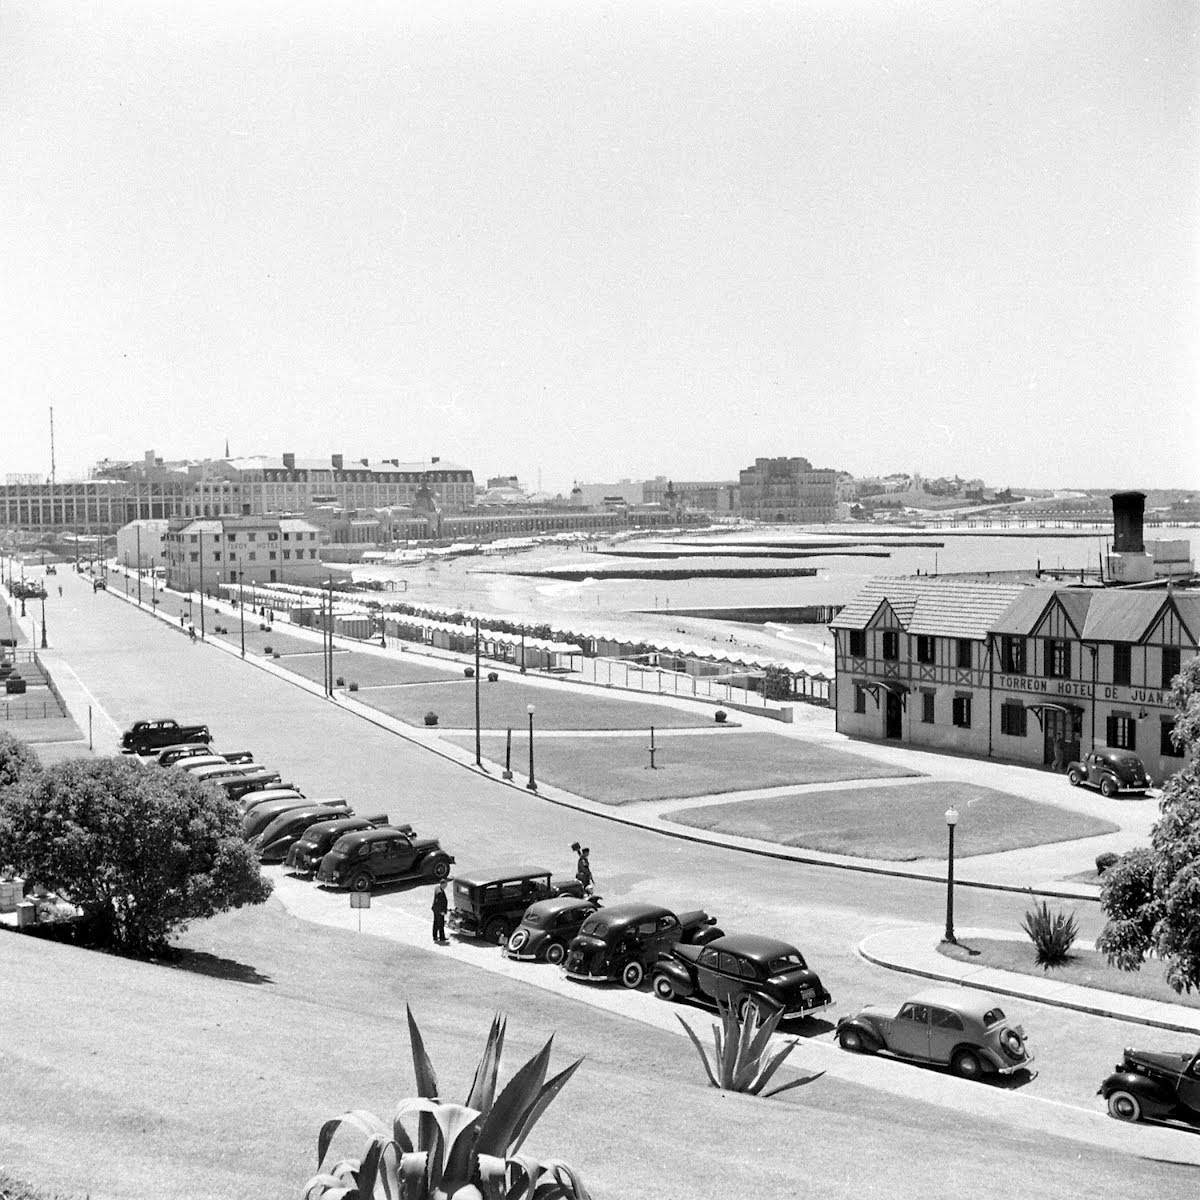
{"points": [[741, 551], [761, 614], [600, 574]]}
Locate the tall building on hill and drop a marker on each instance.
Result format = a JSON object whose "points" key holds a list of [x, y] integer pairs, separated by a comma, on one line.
{"points": [[787, 491]]}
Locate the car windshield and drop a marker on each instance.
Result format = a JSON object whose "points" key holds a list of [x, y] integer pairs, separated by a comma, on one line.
{"points": [[594, 926], [534, 919], [785, 962], [993, 1016]]}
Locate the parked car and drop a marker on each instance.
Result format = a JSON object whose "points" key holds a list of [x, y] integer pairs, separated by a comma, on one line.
{"points": [[624, 942], [547, 928], [218, 772], [967, 1031], [99, 585], [361, 860], [146, 736], [169, 756], [196, 761], [261, 815], [1149, 1083], [251, 800], [317, 840], [238, 756], [1112, 771], [274, 842], [741, 970], [258, 780], [490, 903]]}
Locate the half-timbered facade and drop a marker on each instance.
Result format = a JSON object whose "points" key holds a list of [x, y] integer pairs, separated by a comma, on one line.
{"points": [[1027, 674]]}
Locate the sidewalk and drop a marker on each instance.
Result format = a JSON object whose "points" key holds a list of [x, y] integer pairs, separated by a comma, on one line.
{"points": [[913, 951]]}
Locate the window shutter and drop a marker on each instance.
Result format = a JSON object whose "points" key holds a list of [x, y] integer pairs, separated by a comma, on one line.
{"points": [[1111, 730], [1131, 726]]}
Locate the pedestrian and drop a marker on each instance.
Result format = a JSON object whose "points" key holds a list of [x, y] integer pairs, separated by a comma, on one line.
{"points": [[60, 589], [583, 868], [439, 906], [192, 632]]}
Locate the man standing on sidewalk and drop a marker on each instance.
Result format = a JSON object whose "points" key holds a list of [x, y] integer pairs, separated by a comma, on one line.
{"points": [[439, 906]]}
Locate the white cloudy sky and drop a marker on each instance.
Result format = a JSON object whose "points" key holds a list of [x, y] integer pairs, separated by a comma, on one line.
{"points": [[600, 240]]}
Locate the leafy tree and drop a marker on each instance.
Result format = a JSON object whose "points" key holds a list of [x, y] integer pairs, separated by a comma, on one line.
{"points": [[777, 682], [143, 852], [17, 761], [1152, 895]]}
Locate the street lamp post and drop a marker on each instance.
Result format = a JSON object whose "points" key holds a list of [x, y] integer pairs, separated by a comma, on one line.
{"points": [[44, 643], [139, 563], [242, 607], [951, 821], [532, 784], [522, 651], [478, 756]]}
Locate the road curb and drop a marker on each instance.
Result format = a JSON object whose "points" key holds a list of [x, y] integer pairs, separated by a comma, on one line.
{"points": [[1005, 989]]}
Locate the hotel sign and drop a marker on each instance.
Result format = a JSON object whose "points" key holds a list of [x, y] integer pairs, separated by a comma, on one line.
{"points": [[1068, 688]]}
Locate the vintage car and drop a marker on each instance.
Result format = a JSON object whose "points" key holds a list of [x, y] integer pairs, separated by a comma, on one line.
{"points": [[360, 860], [99, 585], [171, 755], [965, 1030], [547, 928], [1112, 771], [317, 840], [251, 800], [1161, 1086], [198, 761], [145, 737], [741, 970], [261, 815], [276, 841], [259, 779], [490, 903], [624, 942]]}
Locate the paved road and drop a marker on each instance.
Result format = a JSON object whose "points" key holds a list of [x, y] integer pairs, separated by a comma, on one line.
{"points": [[133, 666]]}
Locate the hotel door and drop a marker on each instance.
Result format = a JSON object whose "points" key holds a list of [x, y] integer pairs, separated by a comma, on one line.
{"points": [[891, 717], [1062, 731]]}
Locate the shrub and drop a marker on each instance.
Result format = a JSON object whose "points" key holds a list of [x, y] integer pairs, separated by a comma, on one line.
{"points": [[720, 716], [143, 853], [353, 686], [1052, 934], [274, 653], [17, 761], [431, 718], [459, 1150], [493, 676], [1105, 860], [743, 1060], [267, 650], [341, 681], [468, 671]]}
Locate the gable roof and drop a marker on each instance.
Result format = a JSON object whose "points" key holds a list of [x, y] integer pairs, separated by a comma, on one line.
{"points": [[938, 607], [1026, 612], [1127, 616]]}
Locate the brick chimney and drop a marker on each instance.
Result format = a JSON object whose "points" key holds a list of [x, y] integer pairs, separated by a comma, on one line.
{"points": [[1129, 509], [289, 462], [338, 460]]}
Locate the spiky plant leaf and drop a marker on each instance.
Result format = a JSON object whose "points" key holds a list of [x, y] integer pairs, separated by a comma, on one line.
{"points": [[366, 1122], [318, 1187], [453, 1140], [793, 1083], [367, 1174], [427, 1084], [514, 1101], [564, 1183], [765, 1069], [413, 1175], [712, 1079], [544, 1098], [483, 1086]]}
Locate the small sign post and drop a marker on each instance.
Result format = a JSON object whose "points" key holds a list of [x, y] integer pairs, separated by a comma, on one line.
{"points": [[360, 900]]}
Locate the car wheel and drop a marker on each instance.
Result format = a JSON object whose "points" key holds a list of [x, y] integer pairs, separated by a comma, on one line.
{"points": [[632, 975], [360, 882], [967, 1064], [664, 989], [850, 1039], [496, 930], [518, 939], [751, 1004], [440, 869], [1125, 1106], [1074, 778], [1108, 787], [555, 953]]}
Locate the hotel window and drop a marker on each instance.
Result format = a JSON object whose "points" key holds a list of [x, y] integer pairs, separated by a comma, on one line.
{"points": [[1166, 745], [962, 711], [1122, 732], [964, 653], [1012, 719], [1170, 665], [891, 645], [927, 706], [860, 698], [1122, 664], [1058, 658], [1012, 654], [926, 649]]}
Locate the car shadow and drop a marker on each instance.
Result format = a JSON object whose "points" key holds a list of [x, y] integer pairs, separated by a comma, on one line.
{"points": [[200, 962], [808, 1027], [395, 888], [1007, 1083]]}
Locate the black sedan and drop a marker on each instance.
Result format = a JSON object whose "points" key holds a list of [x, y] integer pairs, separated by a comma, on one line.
{"points": [[547, 928], [741, 970]]}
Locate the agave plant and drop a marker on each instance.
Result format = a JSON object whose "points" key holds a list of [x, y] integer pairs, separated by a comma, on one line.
{"points": [[1052, 934], [744, 1060], [439, 1151]]}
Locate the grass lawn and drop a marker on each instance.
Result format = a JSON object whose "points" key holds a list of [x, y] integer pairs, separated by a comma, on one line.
{"points": [[51, 729], [211, 1078], [505, 704], [368, 670], [1086, 968], [613, 770], [898, 823]]}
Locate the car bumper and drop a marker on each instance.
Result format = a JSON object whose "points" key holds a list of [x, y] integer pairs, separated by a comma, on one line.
{"points": [[792, 1014], [522, 955], [589, 976], [1007, 1067]]}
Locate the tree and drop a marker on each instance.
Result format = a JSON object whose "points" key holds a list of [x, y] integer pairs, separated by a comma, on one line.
{"points": [[17, 761], [141, 851], [1152, 895], [777, 682]]}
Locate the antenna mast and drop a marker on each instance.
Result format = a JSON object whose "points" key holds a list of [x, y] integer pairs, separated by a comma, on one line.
{"points": [[52, 445]]}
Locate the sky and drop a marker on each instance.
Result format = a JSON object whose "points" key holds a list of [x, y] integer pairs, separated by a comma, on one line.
{"points": [[591, 241]]}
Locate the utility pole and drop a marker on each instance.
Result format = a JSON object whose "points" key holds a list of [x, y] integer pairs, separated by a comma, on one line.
{"points": [[478, 757], [200, 531], [138, 530]]}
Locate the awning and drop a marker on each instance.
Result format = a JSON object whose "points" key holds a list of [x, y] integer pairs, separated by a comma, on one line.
{"points": [[1050, 706]]}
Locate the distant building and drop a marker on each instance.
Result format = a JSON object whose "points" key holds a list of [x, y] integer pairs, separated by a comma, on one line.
{"points": [[265, 549], [593, 495], [147, 537], [717, 496], [787, 491]]}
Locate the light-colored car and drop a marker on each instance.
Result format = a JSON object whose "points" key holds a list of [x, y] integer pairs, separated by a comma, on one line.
{"points": [[193, 764], [962, 1029]]}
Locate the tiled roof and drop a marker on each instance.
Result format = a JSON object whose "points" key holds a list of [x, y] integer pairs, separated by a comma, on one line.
{"points": [[1025, 611], [1125, 616], [942, 607]]}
